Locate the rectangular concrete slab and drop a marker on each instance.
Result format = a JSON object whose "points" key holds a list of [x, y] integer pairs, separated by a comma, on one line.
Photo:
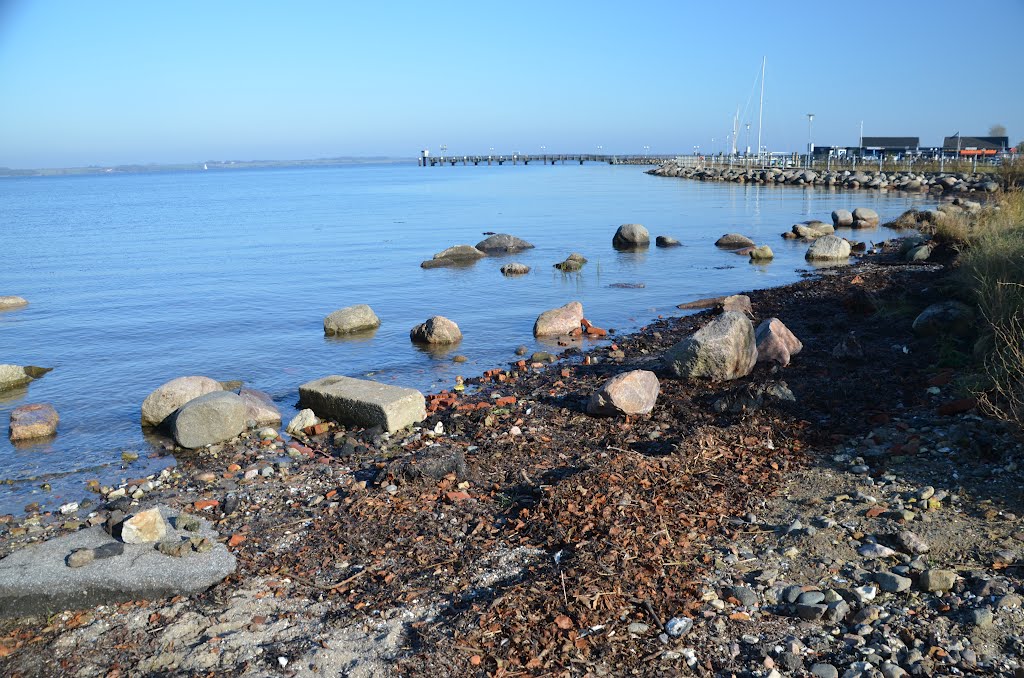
{"points": [[35, 581], [363, 402]]}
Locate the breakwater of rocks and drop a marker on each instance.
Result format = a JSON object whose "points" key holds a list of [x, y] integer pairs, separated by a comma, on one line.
{"points": [[932, 182]]}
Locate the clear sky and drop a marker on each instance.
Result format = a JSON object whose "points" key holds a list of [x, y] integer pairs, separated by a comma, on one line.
{"points": [[118, 81]]}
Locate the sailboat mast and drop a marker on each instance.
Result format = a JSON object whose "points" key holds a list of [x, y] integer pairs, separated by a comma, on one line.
{"points": [[760, 110], [735, 129]]}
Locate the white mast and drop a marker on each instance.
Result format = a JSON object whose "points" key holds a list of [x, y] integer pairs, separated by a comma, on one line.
{"points": [[735, 129], [760, 110]]}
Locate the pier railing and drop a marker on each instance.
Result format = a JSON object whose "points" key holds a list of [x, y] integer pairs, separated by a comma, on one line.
{"points": [[543, 159]]}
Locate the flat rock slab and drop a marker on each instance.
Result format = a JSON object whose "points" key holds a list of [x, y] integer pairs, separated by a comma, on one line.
{"points": [[36, 580], [363, 402]]}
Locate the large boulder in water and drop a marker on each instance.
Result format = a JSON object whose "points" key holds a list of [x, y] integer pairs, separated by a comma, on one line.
{"points": [[209, 419], [723, 349], [503, 243], [559, 321], [459, 255], [436, 330], [162, 402], [734, 241], [37, 420], [864, 217], [828, 248], [631, 236], [13, 376], [9, 302], [842, 218], [632, 392], [350, 319]]}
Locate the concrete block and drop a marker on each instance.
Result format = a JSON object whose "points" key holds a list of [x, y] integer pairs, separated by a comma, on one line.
{"points": [[363, 402]]}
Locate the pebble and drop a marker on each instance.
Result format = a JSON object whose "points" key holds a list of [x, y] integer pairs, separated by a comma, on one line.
{"points": [[875, 551], [911, 543], [80, 558], [638, 628], [981, 617], [746, 596], [892, 583], [811, 598], [69, 508], [678, 626], [824, 671], [937, 580]]}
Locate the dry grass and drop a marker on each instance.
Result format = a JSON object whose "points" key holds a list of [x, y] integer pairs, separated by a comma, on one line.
{"points": [[993, 267]]}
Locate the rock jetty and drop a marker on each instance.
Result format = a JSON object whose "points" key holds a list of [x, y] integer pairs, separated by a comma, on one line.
{"points": [[932, 182]]}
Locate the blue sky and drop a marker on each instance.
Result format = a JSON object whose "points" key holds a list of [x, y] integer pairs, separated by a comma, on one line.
{"points": [[115, 82]]}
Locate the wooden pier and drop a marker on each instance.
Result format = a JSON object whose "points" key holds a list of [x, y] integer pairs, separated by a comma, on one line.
{"points": [[545, 159]]}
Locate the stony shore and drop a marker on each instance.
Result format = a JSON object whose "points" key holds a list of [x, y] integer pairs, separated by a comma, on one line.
{"points": [[869, 527], [931, 182]]}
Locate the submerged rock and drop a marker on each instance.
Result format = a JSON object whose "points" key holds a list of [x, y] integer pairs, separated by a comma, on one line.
{"points": [[515, 268], [762, 253], [503, 243], [559, 321], [828, 248], [260, 409], [454, 256], [36, 420], [631, 236], [864, 217], [842, 218], [9, 302], [734, 241], [350, 319], [13, 376], [666, 241], [436, 330]]}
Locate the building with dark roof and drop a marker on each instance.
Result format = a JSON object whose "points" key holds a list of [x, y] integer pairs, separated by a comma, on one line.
{"points": [[975, 145], [892, 144]]}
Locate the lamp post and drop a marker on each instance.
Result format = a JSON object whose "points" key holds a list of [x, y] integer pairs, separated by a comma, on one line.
{"points": [[810, 142], [746, 146], [646, 150], [444, 147]]}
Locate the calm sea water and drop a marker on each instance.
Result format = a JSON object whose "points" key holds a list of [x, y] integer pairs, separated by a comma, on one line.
{"points": [[137, 279]]}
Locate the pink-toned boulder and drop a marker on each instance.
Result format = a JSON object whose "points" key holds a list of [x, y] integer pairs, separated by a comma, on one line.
{"points": [[162, 402], [627, 393], [37, 420], [775, 343], [559, 321]]}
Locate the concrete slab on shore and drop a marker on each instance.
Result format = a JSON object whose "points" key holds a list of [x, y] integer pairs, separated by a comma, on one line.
{"points": [[363, 402]]}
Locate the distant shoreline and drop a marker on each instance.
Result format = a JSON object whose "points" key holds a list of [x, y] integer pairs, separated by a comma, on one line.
{"points": [[209, 165]]}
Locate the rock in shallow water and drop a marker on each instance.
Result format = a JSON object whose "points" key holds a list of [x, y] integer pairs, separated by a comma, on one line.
{"points": [[209, 419], [559, 321], [436, 330], [36, 420], [358, 318], [168, 397]]}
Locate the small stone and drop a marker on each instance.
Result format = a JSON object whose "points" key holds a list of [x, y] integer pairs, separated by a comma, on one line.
{"points": [[864, 594], [186, 523], [678, 626], [810, 598], [109, 550], [201, 544], [638, 628], [936, 580], [69, 508], [910, 542], [175, 549], [144, 527], [811, 612], [872, 551], [746, 596], [824, 671], [980, 617], [892, 583], [80, 558]]}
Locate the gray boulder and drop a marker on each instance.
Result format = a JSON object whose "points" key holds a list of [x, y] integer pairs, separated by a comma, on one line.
{"points": [[260, 409], [503, 243], [723, 349], [350, 319], [209, 419], [632, 392], [9, 302], [762, 253], [919, 253], [13, 376], [363, 403], [842, 218], [36, 581], [631, 236], [812, 230], [864, 217], [515, 268], [436, 330], [734, 241], [951, 318], [666, 241], [459, 255], [828, 248], [559, 321], [167, 398]]}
